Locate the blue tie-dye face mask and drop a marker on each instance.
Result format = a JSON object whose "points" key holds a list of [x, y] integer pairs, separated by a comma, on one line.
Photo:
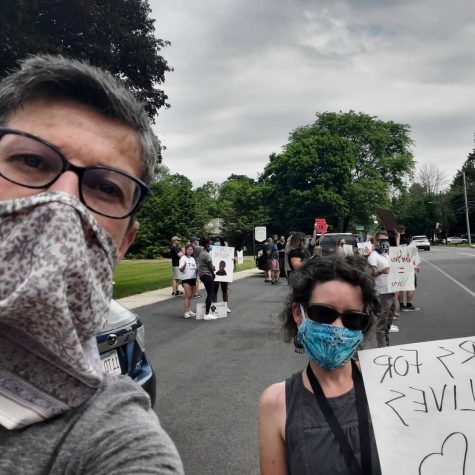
{"points": [[329, 346]]}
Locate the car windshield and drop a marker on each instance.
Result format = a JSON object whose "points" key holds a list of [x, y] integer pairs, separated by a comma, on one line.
{"points": [[419, 238]]}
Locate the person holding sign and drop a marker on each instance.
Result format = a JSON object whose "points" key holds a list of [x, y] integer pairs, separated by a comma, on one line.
{"points": [[318, 421]]}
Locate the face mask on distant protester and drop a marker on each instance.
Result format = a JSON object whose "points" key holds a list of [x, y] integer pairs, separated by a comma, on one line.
{"points": [[382, 246], [329, 346], [56, 266]]}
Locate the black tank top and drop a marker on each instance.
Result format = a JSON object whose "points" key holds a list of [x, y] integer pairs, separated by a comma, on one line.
{"points": [[310, 446]]}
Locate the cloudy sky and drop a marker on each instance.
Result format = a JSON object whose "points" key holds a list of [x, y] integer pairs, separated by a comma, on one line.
{"points": [[247, 72]]}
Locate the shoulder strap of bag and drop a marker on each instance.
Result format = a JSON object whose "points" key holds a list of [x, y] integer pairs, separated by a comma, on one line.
{"points": [[363, 424]]}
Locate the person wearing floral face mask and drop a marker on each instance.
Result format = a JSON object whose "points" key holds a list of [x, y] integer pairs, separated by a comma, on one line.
{"points": [[318, 421], [76, 153]]}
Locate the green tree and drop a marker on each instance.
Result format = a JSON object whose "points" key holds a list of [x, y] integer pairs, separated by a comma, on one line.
{"points": [[172, 208], [456, 199], [117, 35], [419, 210], [241, 204], [341, 167]]}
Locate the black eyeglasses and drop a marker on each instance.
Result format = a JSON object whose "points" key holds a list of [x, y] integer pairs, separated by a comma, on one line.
{"points": [[32, 162], [352, 319]]}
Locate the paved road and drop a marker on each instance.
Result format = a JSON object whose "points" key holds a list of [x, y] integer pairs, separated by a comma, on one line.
{"points": [[210, 374]]}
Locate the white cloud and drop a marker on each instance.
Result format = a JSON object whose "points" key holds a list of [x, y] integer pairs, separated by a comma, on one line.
{"points": [[247, 73]]}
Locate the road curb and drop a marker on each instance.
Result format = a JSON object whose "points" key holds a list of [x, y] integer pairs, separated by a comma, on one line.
{"points": [[159, 295]]}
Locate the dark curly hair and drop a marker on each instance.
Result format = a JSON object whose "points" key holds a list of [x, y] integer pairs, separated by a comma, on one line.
{"points": [[318, 270]]}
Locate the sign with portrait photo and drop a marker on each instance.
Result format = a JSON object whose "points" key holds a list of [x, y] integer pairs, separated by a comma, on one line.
{"points": [[223, 261], [422, 402]]}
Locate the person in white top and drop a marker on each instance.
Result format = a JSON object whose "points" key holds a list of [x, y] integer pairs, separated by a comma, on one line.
{"points": [[379, 262], [187, 268]]}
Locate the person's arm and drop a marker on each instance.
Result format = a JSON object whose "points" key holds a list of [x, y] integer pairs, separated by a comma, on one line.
{"points": [[182, 264], [271, 431], [209, 262]]}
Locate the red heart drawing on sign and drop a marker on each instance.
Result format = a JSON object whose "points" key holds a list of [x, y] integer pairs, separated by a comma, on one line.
{"points": [[449, 456]]}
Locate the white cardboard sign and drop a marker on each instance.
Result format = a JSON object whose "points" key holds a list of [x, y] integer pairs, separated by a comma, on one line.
{"points": [[260, 233], [220, 310], [222, 257], [402, 261], [422, 402], [240, 257]]}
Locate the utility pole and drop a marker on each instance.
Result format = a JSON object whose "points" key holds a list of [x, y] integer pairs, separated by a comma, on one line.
{"points": [[466, 209]]}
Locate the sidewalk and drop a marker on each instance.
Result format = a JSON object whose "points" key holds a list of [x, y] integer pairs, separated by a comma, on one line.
{"points": [[147, 298]]}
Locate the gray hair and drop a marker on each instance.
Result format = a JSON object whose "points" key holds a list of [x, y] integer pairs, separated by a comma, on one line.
{"points": [[57, 77]]}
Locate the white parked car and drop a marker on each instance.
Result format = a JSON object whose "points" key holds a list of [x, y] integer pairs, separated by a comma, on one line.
{"points": [[456, 240], [421, 242]]}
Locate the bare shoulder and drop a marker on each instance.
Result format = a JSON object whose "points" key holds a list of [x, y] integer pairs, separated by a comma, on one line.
{"points": [[273, 397]]}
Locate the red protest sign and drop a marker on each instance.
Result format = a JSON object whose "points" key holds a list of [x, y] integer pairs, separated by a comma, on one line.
{"points": [[321, 225]]}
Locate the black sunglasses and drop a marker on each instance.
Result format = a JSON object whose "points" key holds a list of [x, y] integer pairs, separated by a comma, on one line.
{"points": [[352, 319]]}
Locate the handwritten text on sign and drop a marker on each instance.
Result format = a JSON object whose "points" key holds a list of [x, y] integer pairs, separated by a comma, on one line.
{"points": [[422, 402], [402, 261], [222, 257]]}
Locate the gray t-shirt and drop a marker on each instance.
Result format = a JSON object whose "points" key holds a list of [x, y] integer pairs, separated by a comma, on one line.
{"points": [[205, 264], [116, 432]]}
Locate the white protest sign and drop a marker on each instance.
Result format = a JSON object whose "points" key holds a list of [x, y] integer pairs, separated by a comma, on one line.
{"points": [[222, 257], [422, 402], [260, 233], [240, 257], [220, 309], [402, 261]]}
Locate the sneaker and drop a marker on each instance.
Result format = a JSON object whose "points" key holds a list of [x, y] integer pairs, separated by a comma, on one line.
{"points": [[179, 293], [174, 293], [197, 296], [393, 329], [187, 315], [410, 308], [210, 316], [192, 314], [228, 310]]}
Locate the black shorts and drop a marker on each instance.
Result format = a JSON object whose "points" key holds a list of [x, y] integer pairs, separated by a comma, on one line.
{"points": [[190, 282]]}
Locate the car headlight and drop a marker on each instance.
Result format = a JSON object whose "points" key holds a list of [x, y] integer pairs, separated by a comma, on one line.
{"points": [[141, 337]]}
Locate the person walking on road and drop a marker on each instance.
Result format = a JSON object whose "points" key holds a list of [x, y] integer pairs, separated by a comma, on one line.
{"points": [[206, 272], [188, 268], [175, 254], [327, 310]]}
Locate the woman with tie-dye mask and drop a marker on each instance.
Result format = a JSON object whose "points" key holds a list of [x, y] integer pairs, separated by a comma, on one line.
{"points": [[318, 421]]}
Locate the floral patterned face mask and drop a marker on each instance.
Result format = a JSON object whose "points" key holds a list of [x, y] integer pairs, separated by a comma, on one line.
{"points": [[56, 266]]}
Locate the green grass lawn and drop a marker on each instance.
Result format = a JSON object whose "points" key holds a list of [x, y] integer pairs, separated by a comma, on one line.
{"points": [[136, 276]]}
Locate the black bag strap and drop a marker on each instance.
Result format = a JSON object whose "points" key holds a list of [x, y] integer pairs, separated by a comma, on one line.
{"points": [[363, 423]]}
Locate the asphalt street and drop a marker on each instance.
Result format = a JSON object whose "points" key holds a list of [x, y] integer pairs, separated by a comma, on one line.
{"points": [[210, 373]]}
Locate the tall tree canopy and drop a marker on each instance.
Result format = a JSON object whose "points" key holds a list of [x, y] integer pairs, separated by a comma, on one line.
{"points": [[340, 167], [117, 35], [241, 204], [456, 198]]}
